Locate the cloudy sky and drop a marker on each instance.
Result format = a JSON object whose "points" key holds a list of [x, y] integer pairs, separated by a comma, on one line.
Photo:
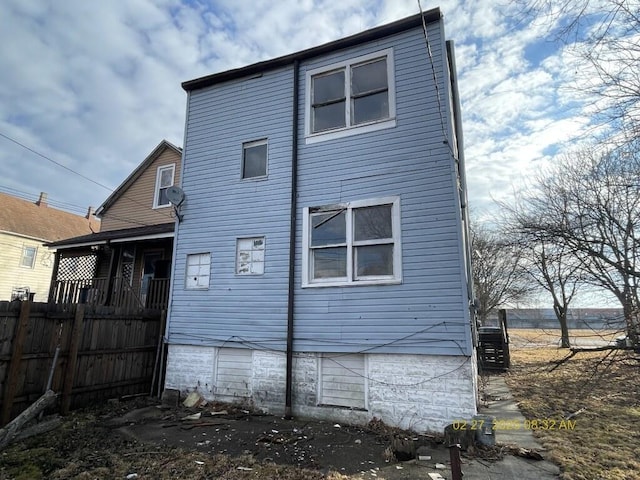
{"points": [[95, 86]]}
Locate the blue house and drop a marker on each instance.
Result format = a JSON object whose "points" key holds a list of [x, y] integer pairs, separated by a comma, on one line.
{"points": [[321, 265]]}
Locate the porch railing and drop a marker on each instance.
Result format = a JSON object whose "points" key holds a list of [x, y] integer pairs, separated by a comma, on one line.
{"points": [[95, 291]]}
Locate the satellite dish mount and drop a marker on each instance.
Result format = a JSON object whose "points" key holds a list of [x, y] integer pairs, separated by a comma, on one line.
{"points": [[176, 196]]}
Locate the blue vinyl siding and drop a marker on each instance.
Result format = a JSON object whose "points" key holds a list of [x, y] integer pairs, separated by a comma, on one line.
{"points": [[426, 313], [220, 207]]}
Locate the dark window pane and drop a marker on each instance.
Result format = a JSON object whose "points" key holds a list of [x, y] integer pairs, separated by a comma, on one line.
{"points": [[162, 197], [374, 260], [330, 262], [370, 76], [166, 177], [329, 116], [372, 223], [370, 108], [328, 229], [328, 88], [255, 161]]}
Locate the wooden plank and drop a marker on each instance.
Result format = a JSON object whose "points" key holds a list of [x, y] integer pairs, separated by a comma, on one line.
{"points": [[16, 359], [72, 362]]}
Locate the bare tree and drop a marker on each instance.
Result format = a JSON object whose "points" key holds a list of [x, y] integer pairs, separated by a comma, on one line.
{"points": [[497, 276], [590, 203], [550, 265], [604, 35]]}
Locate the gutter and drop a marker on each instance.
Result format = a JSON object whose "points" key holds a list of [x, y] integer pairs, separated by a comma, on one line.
{"points": [[292, 243], [461, 168]]}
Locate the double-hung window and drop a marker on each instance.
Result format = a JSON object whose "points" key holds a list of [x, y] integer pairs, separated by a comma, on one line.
{"points": [[164, 180], [28, 258], [351, 97], [356, 243]]}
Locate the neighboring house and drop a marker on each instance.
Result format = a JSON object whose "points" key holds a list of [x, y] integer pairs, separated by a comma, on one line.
{"points": [[321, 264], [127, 264], [25, 263]]}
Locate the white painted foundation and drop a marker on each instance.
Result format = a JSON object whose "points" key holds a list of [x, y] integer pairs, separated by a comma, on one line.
{"points": [[417, 392]]}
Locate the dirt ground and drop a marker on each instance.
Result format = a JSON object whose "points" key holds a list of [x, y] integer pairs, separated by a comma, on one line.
{"points": [[142, 439]]}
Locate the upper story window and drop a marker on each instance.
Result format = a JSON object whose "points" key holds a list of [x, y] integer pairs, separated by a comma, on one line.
{"points": [[350, 97], [254, 159], [28, 259], [356, 243], [164, 180]]}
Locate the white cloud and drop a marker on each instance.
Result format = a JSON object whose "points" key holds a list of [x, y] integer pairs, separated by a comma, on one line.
{"points": [[96, 85]]}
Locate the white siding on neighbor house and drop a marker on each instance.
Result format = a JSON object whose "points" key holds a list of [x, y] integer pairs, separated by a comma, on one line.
{"points": [[220, 207], [428, 312], [15, 275]]}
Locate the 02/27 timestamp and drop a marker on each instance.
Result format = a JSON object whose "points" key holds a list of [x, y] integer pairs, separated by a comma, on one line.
{"points": [[515, 424]]}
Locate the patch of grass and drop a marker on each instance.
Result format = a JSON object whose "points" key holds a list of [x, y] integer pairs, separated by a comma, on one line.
{"points": [[604, 387]]}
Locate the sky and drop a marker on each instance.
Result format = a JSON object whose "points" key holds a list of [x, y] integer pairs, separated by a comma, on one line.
{"points": [[95, 86]]}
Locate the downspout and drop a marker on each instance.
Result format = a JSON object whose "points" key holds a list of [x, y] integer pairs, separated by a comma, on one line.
{"points": [[292, 244], [455, 97]]}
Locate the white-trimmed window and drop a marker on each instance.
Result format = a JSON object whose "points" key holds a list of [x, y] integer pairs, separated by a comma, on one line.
{"points": [[350, 97], [198, 271], [28, 259], [250, 256], [355, 243], [254, 159], [164, 180]]}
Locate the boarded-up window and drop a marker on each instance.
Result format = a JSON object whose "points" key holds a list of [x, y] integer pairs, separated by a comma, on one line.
{"points": [[250, 256], [198, 271], [233, 376], [342, 380]]}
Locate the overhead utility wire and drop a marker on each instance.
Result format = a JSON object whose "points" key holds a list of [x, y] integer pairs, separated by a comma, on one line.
{"points": [[54, 162], [168, 215], [435, 81]]}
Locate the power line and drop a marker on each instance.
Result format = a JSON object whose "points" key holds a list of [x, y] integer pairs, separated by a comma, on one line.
{"points": [[111, 190], [54, 162]]}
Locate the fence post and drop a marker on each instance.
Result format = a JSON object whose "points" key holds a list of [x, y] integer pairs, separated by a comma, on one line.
{"points": [[76, 335], [16, 359]]}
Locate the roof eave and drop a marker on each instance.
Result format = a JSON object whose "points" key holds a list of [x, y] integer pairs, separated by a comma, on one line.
{"points": [[118, 192], [376, 33]]}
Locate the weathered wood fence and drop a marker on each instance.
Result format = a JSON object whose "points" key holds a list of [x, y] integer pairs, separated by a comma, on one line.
{"points": [[85, 353]]}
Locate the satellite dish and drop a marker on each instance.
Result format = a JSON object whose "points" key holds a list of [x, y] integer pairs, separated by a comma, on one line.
{"points": [[175, 195]]}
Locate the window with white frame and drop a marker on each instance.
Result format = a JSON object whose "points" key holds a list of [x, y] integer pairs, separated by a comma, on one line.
{"points": [[164, 180], [250, 256], [254, 159], [355, 243], [198, 271], [28, 259], [353, 96]]}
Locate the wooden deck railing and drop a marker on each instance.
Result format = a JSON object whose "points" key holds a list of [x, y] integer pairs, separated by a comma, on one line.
{"points": [[95, 291]]}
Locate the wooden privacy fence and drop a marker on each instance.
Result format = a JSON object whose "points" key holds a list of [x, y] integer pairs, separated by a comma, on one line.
{"points": [[85, 353]]}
